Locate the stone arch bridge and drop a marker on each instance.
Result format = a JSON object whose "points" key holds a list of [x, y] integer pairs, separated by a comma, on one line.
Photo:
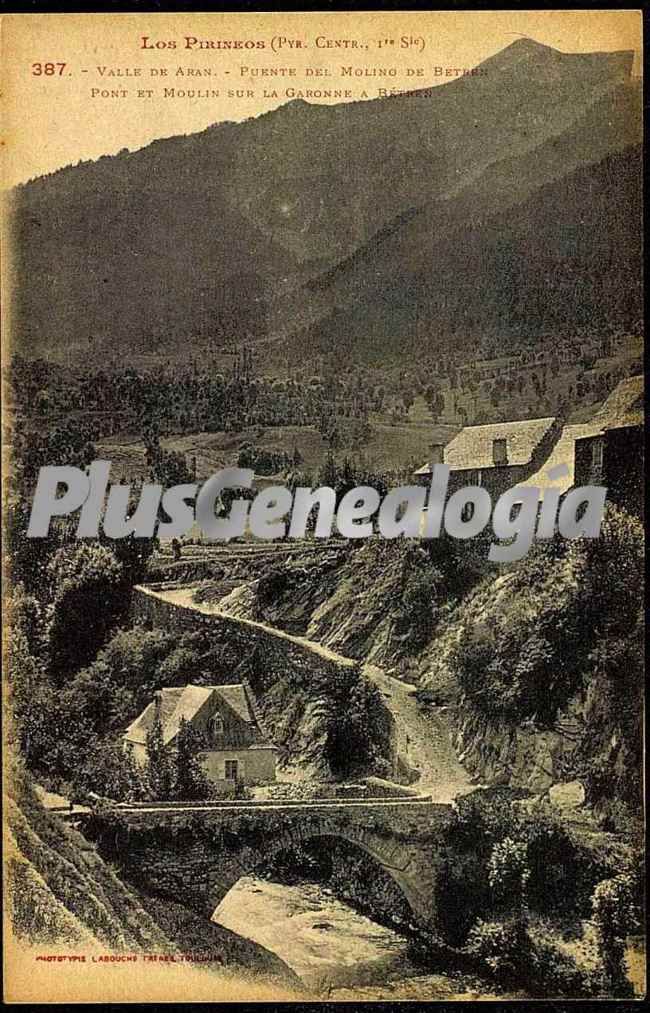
{"points": [[195, 852]]}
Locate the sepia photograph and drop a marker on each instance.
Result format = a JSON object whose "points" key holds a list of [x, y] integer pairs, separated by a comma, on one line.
{"points": [[323, 507]]}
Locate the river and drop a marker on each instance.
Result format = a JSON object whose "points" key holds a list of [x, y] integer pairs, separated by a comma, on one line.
{"points": [[337, 952]]}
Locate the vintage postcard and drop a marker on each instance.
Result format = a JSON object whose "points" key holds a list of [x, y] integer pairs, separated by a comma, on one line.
{"points": [[323, 597]]}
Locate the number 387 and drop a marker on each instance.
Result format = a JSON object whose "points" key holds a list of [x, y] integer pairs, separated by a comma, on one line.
{"points": [[48, 69]]}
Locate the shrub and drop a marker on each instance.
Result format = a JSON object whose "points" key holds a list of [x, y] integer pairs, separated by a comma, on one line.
{"points": [[503, 947], [189, 779], [462, 892], [87, 594], [419, 606], [113, 769], [555, 862], [358, 731], [571, 613], [506, 951], [480, 821], [549, 971], [496, 856], [508, 872], [615, 916]]}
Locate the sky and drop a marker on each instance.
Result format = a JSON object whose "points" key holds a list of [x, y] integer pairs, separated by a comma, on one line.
{"points": [[51, 119]]}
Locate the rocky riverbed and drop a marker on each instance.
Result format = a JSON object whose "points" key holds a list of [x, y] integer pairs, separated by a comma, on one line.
{"points": [[337, 952]]}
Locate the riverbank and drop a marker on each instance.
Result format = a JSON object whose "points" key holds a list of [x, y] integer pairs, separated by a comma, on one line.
{"points": [[337, 952]]}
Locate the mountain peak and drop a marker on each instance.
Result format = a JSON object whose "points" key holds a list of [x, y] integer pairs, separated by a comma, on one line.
{"points": [[528, 55], [524, 48], [294, 196], [527, 45]]}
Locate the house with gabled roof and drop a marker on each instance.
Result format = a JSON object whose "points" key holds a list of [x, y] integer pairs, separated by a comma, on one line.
{"points": [[234, 747], [607, 450], [613, 455], [497, 456]]}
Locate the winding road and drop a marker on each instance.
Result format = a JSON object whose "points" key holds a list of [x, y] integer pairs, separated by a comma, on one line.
{"points": [[424, 737]]}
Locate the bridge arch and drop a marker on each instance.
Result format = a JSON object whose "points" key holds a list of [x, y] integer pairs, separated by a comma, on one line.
{"points": [[196, 855], [250, 861], [401, 862]]}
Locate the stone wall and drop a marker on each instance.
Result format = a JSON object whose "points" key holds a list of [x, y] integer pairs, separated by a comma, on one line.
{"points": [[238, 642]]}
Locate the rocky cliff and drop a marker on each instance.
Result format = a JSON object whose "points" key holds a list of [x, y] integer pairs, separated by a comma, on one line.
{"points": [[537, 666]]}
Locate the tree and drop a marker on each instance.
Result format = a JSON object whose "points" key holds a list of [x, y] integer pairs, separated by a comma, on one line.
{"points": [[86, 595], [508, 873], [190, 782], [358, 734], [160, 771], [614, 916], [167, 467], [32, 699]]}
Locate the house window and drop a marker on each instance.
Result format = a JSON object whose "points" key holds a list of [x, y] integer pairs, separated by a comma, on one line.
{"points": [[215, 728], [232, 770], [500, 451], [597, 456]]}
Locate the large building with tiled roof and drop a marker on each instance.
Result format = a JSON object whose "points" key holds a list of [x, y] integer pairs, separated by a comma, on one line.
{"points": [[613, 455], [496, 456], [235, 749], [606, 450], [546, 454]]}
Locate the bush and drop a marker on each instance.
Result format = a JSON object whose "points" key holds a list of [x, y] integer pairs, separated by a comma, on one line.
{"points": [[109, 768], [419, 606], [359, 731], [87, 594], [550, 972], [506, 951], [496, 857], [571, 611], [503, 947], [508, 872], [555, 862], [615, 915], [480, 821]]}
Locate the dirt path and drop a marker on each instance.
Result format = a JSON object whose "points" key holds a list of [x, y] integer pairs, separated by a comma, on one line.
{"points": [[424, 738], [184, 596]]}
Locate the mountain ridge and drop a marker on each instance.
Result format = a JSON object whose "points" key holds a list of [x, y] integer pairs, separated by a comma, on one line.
{"points": [[200, 237], [510, 191]]}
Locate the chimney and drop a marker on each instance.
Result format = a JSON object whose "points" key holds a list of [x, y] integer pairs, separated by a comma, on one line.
{"points": [[157, 702], [437, 453], [500, 451]]}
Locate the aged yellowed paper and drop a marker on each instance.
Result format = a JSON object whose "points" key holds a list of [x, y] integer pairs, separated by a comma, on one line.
{"points": [[323, 488]]}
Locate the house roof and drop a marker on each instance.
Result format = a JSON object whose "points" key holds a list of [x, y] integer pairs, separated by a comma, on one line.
{"points": [[235, 697], [186, 702], [473, 446], [191, 701], [563, 453], [623, 407]]}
